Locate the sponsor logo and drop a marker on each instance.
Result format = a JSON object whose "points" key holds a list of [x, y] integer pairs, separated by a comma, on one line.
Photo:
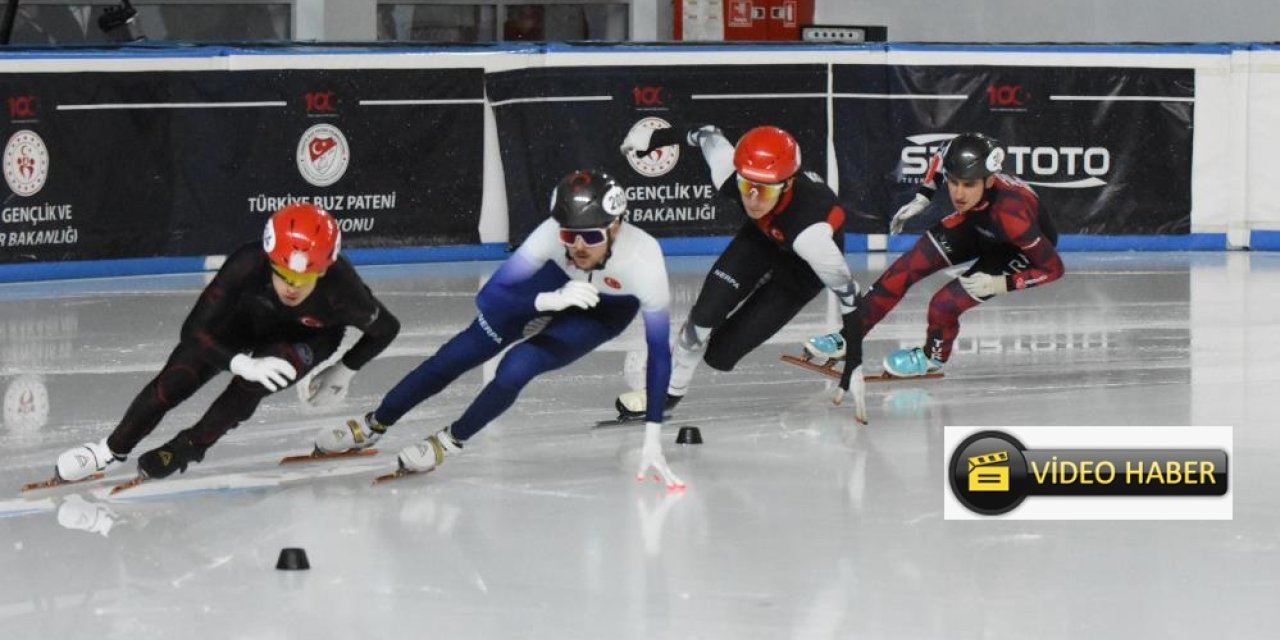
{"points": [[22, 107], [321, 102], [612, 282], [488, 330], [659, 161], [323, 155], [26, 163], [311, 321], [1008, 97], [1067, 167], [650, 96], [733, 282]]}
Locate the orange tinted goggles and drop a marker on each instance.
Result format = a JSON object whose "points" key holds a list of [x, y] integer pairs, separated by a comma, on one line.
{"points": [[762, 189], [293, 278]]}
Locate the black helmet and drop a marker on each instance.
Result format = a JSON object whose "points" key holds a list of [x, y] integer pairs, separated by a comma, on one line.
{"points": [[587, 200], [972, 156]]}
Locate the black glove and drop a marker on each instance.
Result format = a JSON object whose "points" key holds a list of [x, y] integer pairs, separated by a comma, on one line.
{"points": [[851, 379], [851, 331]]}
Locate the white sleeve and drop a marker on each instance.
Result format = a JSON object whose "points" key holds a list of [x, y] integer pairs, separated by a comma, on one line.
{"points": [[815, 246], [543, 243], [654, 292], [718, 153]]}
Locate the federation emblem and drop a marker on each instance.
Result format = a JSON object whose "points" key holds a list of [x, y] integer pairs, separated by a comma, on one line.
{"points": [[659, 161], [26, 163], [323, 155], [26, 403]]}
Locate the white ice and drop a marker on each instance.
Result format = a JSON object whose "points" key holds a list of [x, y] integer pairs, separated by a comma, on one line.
{"points": [[796, 524]]}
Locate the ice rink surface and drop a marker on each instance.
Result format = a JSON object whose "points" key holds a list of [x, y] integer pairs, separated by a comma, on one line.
{"points": [[796, 524]]}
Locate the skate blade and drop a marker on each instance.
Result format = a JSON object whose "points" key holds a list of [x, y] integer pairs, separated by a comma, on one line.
{"points": [[316, 455], [829, 369], [58, 482], [885, 376], [397, 474], [124, 486], [621, 420]]}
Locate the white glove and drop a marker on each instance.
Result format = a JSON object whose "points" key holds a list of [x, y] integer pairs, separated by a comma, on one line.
{"points": [[858, 388], [694, 137], [651, 456], [984, 285], [329, 385], [637, 142], [907, 212], [574, 293], [270, 372]]}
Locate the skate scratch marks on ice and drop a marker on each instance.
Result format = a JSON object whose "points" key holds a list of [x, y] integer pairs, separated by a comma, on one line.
{"points": [[212, 565], [527, 490]]}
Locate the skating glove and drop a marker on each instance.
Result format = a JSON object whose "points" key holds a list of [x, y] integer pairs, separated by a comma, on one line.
{"points": [[984, 285], [651, 457], [329, 385], [574, 293], [270, 372], [852, 380], [694, 137], [907, 212]]}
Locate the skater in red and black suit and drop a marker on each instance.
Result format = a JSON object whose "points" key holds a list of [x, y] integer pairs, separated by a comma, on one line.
{"points": [[998, 222], [273, 311], [790, 247]]}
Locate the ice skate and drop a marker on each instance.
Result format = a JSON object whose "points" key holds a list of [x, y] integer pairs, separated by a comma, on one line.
{"points": [[911, 363], [354, 438], [170, 457], [424, 456], [829, 346], [633, 405], [84, 461]]}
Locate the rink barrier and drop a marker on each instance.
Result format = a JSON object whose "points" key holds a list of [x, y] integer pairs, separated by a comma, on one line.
{"points": [[681, 246], [194, 264], [1262, 240]]}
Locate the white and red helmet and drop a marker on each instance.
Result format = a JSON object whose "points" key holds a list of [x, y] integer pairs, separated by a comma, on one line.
{"points": [[302, 238]]}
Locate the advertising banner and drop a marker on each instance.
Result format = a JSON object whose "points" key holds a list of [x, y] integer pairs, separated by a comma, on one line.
{"points": [[1107, 149], [105, 165], [554, 120]]}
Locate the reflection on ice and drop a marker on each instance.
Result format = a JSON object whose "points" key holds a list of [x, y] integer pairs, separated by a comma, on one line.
{"points": [[796, 522]]}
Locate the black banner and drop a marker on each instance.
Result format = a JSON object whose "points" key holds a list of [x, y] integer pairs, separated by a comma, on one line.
{"points": [[554, 120], [105, 165], [1107, 149]]}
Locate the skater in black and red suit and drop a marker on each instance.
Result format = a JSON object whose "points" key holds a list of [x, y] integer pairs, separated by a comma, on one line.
{"points": [[790, 247], [273, 311], [998, 222]]}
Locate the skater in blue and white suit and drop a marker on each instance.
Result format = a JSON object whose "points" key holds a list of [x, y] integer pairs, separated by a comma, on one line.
{"points": [[587, 269]]}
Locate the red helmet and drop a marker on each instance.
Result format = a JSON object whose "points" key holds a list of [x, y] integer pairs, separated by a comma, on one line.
{"points": [[766, 154], [302, 238]]}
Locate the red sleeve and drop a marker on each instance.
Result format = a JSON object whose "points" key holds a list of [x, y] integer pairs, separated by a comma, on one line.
{"points": [[1015, 215]]}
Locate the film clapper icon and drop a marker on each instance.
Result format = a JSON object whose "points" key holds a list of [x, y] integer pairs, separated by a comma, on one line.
{"points": [[985, 475]]}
